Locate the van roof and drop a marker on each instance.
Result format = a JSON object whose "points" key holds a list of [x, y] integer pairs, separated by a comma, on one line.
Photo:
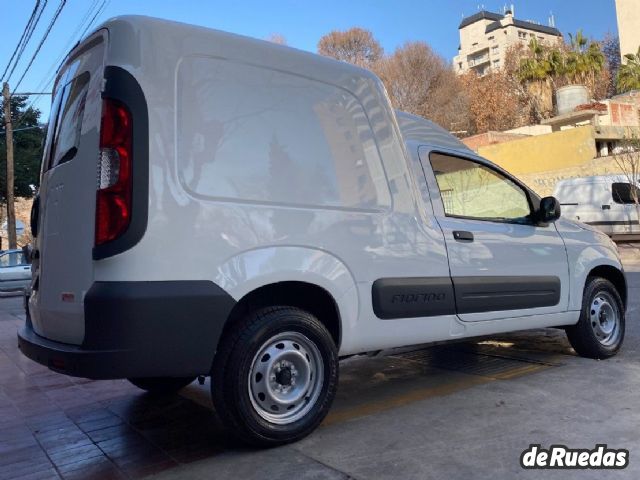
{"points": [[421, 130], [132, 33], [205, 41], [593, 179]]}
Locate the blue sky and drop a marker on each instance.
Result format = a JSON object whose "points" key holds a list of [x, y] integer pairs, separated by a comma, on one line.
{"points": [[302, 23]]}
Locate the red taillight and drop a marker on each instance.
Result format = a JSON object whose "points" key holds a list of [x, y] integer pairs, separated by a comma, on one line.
{"points": [[113, 198]]}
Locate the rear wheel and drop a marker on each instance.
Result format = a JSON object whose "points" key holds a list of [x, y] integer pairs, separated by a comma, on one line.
{"points": [[161, 385], [600, 331], [275, 377]]}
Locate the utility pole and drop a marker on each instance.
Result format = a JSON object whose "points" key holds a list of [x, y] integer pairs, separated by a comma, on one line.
{"points": [[11, 212]]}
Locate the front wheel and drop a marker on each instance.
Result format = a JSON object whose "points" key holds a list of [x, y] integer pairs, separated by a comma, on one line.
{"points": [[275, 377], [600, 331]]}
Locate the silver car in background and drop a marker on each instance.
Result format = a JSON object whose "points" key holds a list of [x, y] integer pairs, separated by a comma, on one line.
{"points": [[15, 271]]}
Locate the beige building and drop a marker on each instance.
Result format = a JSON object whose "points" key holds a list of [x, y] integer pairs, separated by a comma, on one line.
{"points": [[628, 12], [486, 36]]}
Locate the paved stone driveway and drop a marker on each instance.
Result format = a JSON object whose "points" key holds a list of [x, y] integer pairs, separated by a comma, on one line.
{"points": [[53, 425], [456, 411]]}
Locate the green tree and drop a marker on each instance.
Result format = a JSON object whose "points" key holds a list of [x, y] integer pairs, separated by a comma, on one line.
{"points": [[536, 67], [629, 73], [28, 138], [582, 61], [585, 59]]}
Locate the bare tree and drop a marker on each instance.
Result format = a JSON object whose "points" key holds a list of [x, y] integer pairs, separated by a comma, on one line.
{"points": [[277, 38], [493, 102], [628, 161], [356, 45], [421, 82]]}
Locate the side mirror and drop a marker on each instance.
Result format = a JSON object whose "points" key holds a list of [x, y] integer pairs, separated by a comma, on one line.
{"points": [[549, 210]]}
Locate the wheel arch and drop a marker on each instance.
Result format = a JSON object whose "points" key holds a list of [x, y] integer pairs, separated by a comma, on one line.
{"points": [[298, 276], [304, 295], [615, 276]]}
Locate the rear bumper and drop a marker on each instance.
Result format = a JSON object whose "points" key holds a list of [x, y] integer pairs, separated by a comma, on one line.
{"points": [[139, 329]]}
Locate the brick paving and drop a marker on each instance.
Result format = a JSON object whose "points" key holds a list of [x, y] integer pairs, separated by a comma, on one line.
{"points": [[54, 426]]}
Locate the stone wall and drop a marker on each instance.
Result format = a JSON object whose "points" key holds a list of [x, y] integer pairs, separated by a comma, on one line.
{"points": [[543, 183]]}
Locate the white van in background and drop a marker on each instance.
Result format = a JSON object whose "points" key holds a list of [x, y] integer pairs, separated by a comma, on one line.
{"points": [[605, 202]]}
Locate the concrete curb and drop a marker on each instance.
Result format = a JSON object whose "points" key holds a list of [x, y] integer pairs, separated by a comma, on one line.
{"points": [[629, 253]]}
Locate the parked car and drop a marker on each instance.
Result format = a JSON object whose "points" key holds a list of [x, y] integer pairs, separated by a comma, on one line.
{"points": [[15, 271], [606, 202], [320, 224]]}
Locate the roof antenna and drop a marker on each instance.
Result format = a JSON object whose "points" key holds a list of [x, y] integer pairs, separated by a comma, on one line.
{"points": [[552, 20], [513, 10]]}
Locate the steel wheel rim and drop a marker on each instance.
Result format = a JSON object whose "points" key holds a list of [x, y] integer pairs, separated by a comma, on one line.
{"points": [[604, 318], [285, 378]]}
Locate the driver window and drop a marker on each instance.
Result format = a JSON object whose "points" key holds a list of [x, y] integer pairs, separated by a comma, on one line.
{"points": [[472, 190]]}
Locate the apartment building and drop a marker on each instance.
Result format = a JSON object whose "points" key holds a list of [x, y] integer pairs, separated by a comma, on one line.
{"points": [[486, 36], [628, 12]]}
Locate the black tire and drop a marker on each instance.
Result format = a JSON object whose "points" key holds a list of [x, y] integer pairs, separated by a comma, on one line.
{"points": [[582, 335], [161, 385], [234, 369]]}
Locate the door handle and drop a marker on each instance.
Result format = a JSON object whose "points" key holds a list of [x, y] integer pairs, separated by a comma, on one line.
{"points": [[463, 236], [606, 207]]}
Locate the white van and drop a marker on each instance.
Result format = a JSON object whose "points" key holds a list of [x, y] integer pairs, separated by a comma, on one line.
{"points": [[606, 202], [214, 205]]}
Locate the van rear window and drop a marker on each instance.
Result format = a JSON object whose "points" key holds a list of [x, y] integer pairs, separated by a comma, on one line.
{"points": [[66, 122]]}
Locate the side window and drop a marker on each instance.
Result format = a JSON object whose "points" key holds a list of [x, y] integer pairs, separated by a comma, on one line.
{"points": [[624, 192], [472, 190], [64, 129], [12, 259], [51, 128]]}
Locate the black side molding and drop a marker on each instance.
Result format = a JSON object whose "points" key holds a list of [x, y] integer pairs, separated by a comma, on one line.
{"points": [[627, 223], [121, 85], [432, 296], [490, 294], [413, 297]]}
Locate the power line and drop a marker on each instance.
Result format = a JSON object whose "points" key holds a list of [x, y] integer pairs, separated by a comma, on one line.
{"points": [[71, 41], [74, 35], [104, 3], [24, 33], [27, 38], [44, 37], [51, 73], [2, 132]]}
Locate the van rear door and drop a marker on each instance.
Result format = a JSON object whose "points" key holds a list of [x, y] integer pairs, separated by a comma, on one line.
{"points": [[63, 265]]}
